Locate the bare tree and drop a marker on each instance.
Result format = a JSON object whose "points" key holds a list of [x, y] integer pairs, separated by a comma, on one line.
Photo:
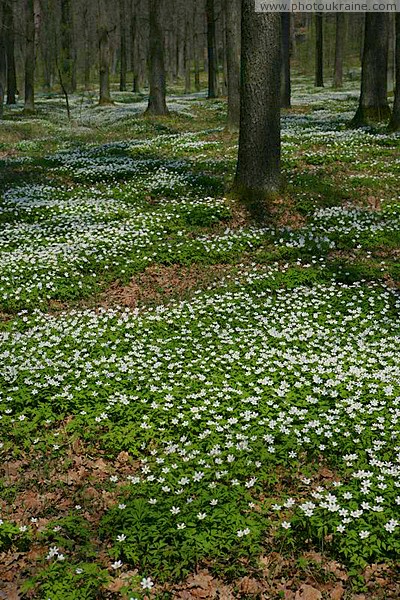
{"points": [[285, 62], [373, 105], [30, 48], [157, 98], [339, 48], [10, 52], [395, 119], [233, 43], [68, 57], [211, 50], [258, 167], [123, 46], [319, 50], [104, 53]]}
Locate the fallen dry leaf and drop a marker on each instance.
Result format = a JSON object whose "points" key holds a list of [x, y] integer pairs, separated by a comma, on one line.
{"points": [[307, 592]]}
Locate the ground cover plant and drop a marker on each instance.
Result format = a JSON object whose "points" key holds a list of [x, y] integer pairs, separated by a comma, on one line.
{"points": [[194, 403]]}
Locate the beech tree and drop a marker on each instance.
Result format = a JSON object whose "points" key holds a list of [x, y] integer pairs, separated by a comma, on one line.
{"points": [[258, 166], [394, 124], [339, 48], [211, 50], [285, 61], [2, 58], [233, 43], [373, 104], [68, 57], [319, 50], [30, 48], [104, 53], [157, 97], [9, 36]]}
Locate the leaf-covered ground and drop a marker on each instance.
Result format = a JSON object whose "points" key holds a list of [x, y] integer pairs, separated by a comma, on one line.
{"points": [[194, 404]]}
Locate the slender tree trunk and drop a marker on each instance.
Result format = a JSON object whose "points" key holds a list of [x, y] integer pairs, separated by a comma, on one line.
{"points": [[10, 53], [187, 52], [157, 98], [211, 50], [3, 70], [319, 50], [67, 62], [86, 49], [29, 106], [233, 43], [285, 63], [123, 52], [339, 49], [373, 105], [258, 167], [391, 53], [104, 55], [134, 46], [394, 124], [197, 84]]}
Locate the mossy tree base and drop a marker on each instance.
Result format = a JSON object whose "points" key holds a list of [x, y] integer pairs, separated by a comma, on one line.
{"points": [[258, 202], [370, 115]]}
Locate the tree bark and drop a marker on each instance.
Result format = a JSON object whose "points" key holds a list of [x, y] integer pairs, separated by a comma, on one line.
{"points": [[104, 54], [68, 62], [258, 167], [319, 50], [373, 104], [29, 106], [233, 43], [123, 52], [10, 52], [3, 70], [394, 124], [187, 51], [211, 50], [339, 48], [285, 62], [157, 98]]}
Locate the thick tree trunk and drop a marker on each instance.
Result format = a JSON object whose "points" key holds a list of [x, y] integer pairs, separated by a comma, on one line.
{"points": [[339, 48], [394, 124], [10, 53], [285, 62], [211, 50], [258, 167], [123, 52], [233, 42], [319, 50], [67, 63], [373, 105], [157, 98], [29, 106]]}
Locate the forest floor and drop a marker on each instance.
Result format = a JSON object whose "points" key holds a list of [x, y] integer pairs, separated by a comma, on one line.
{"points": [[193, 403]]}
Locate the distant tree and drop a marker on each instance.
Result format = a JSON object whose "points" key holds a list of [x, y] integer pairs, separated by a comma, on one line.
{"points": [[394, 124], [157, 97], [122, 46], [258, 166], [319, 50], [30, 48], [10, 52], [104, 53], [285, 61], [233, 43], [67, 54], [373, 104], [339, 48], [3, 70], [211, 50]]}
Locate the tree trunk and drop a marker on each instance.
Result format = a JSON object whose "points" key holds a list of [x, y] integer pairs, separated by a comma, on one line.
{"points": [[339, 48], [3, 69], [86, 49], [187, 51], [29, 106], [373, 105], [211, 50], [319, 50], [134, 45], [157, 98], [197, 84], [258, 167], [285, 62], [10, 52], [394, 124], [104, 54], [123, 53], [233, 42], [67, 63]]}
